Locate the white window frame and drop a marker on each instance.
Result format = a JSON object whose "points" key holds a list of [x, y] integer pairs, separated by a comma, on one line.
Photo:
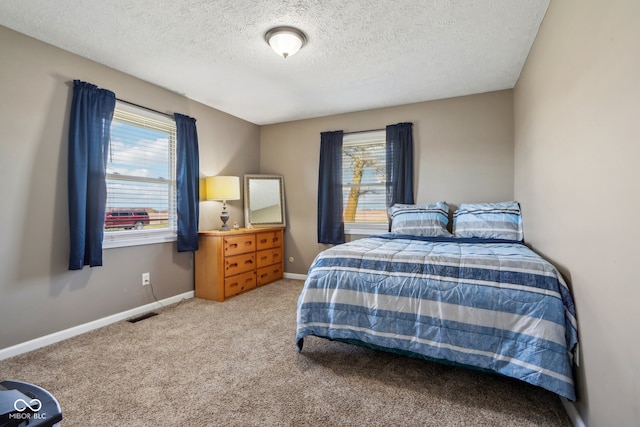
{"points": [[364, 228], [117, 239]]}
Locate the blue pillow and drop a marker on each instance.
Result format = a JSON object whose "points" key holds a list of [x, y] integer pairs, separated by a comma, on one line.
{"points": [[488, 221], [420, 220]]}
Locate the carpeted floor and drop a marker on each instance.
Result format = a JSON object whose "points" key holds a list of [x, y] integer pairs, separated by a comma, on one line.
{"points": [[203, 363]]}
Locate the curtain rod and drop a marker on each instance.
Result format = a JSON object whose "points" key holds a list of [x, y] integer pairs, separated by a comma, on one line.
{"points": [[363, 131], [145, 108]]}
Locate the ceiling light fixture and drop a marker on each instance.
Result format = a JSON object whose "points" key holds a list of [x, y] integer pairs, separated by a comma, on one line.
{"points": [[285, 41]]}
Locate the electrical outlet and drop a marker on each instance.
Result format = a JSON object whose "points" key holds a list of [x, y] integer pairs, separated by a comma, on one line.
{"points": [[146, 279]]}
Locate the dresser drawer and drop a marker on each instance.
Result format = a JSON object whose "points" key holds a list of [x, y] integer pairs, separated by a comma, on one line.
{"points": [[240, 283], [266, 240], [268, 257], [269, 274], [239, 264], [234, 245]]}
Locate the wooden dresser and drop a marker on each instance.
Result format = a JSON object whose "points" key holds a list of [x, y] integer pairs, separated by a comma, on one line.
{"points": [[231, 262]]}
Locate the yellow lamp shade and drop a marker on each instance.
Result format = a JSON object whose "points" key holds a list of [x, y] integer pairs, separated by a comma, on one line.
{"points": [[223, 188]]}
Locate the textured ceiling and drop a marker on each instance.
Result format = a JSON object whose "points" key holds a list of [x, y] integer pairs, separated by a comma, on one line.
{"points": [[360, 54]]}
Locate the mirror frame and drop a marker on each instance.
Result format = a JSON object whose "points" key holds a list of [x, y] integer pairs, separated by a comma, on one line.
{"points": [[247, 200]]}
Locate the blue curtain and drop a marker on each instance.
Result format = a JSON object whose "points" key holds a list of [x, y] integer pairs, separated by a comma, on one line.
{"points": [[187, 182], [89, 132], [330, 220], [399, 182]]}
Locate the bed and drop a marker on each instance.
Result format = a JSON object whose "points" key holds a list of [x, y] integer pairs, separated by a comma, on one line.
{"points": [[483, 302]]}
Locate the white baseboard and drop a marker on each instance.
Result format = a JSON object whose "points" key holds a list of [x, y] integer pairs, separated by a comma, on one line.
{"points": [[575, 417], [86, 327], [295, 276]]}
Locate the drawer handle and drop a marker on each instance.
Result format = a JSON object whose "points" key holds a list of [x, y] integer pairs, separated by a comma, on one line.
{"points": [[249, 261], [234, 265], [233, 245]]}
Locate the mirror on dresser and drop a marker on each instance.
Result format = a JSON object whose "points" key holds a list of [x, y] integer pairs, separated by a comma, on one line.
{"points": [[264, 200]]}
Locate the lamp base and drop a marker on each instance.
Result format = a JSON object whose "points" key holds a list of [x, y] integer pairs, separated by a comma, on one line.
{"points": [[224, 216]]}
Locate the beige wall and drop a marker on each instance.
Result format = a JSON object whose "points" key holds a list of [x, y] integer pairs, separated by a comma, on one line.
{"points": [[577, 145], [38, 295], [463, 153]]}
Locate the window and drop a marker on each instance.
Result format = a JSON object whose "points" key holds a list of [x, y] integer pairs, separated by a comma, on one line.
{"points": [[363, 182], [141, 178]]}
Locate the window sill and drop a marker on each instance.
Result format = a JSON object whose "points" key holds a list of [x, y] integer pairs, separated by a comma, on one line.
{"points": [[120, 239], [363, 229]]}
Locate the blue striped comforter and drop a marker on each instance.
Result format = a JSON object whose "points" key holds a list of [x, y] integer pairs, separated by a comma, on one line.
{"points": [[497, 306]]}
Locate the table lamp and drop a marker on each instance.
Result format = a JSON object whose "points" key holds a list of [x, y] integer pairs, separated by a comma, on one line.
{"points": [[223, 188]]}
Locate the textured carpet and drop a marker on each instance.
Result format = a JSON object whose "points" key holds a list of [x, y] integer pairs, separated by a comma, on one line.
{"points": [[204, 363]]}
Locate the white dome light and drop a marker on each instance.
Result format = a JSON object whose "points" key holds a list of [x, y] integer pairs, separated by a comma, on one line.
{"points": [[285, 41]]}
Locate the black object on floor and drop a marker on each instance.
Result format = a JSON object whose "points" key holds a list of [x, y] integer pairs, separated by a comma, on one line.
{"points": [[24, 404]]}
